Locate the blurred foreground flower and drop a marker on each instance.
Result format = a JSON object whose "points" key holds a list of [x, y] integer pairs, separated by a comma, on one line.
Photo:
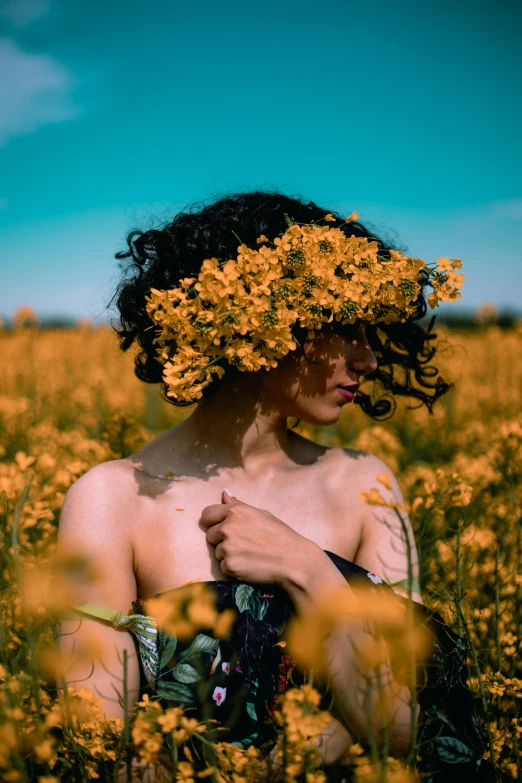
{"points": [[53, 584], [303, 721], [357, 606], [50, 586], [391, 770], [185, 611]]}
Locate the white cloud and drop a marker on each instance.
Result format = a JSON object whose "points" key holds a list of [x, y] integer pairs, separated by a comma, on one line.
{"points": [[22, 12], [35, 90]]}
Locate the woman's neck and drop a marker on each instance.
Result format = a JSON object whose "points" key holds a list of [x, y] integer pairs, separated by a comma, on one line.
{"points": [[237, 428]]}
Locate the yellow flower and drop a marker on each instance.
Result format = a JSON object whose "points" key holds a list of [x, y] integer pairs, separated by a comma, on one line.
{"points": [[141, 728], [385, 479], [244, 309], [44, 750], [170, 719], [374, 498], [223, 623], [185, 772], [443, 263]]}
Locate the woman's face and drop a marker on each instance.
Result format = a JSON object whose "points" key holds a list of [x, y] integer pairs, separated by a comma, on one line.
{"points": [[309, 389]]}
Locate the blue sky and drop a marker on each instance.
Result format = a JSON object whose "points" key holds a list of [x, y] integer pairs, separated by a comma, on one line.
{"points": [[114, 115]]}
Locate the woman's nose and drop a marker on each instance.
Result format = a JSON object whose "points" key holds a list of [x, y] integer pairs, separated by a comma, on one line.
{"points": [[362, 358]]}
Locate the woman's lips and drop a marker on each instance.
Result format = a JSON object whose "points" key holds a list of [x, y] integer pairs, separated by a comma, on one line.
{"points": [[348, 395]]}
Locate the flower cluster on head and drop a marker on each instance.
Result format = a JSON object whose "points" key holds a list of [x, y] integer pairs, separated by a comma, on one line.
{"points": [[242, 310]]}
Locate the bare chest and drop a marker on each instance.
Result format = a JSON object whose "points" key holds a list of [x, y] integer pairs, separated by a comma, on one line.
{"points": [[169, 540]]}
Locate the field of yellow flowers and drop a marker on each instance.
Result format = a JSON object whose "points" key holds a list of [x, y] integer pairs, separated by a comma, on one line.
{"points": [[69, 400]]}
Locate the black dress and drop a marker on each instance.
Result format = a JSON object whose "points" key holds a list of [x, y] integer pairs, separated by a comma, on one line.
{"points": [[237, 680]]}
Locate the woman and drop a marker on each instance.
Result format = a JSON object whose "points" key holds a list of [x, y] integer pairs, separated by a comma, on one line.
{"points": [[291, 521]]}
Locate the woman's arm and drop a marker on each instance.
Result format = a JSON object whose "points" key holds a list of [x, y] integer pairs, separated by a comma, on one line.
{"points": [[334, 742], [92, 651], [387, 547], [348, 683]]}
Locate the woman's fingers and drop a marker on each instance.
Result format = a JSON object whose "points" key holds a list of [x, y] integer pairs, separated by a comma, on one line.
{"points": [[215, 513], [215, 534]]}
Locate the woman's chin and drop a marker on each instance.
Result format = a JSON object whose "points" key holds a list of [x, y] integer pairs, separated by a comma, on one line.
{"points": [[321, 418]]}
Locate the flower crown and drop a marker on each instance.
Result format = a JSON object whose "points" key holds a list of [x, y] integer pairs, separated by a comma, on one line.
{"points": [[242, 310]]}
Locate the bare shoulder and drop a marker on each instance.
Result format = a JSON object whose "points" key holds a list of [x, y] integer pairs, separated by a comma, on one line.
{"points": [[361, 467], [111, 479], [105, 493], [387, 546]]}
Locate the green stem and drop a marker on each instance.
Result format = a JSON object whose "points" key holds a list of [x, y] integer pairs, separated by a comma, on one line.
{"points": [[126, 734], [284, 749], [19, 579], [384, 732], [174, 759], [518, 528], [218, 358], [209, 752], [412, 753], [369, 716], [479, 678], [458, 571], [497, 629], [69, 727]]}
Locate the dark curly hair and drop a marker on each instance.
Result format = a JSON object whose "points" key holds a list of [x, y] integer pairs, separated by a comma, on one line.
{"points": [[161, 257]]}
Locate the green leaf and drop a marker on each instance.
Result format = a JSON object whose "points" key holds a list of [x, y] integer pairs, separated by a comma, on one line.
{"points": [[175, 691], [243, 594], [443, 717], [168, 650], [201, 644], [246, 742], [261, 605], [251, 710], [453, 751], [184, 672]]}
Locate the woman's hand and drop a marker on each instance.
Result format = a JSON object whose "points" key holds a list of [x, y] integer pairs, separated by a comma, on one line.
{"points": [[252, 544]]}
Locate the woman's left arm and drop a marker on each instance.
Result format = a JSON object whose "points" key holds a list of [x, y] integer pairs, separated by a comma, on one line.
{"points": [[387, 549], [347, 681]]}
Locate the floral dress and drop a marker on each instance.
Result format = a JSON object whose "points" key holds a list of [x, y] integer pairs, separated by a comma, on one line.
{"points": [[237, 680]]}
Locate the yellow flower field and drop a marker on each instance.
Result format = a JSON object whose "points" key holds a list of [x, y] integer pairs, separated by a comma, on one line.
{"points": [[69, 400]]}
